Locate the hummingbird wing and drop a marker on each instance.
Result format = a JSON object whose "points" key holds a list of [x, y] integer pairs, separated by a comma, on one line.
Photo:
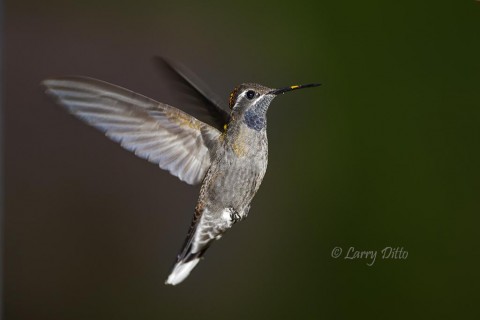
{"points": [[154, 131], [207, 106]]}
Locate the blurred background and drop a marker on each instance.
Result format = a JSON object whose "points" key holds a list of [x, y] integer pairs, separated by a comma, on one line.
{"points": [[385, 153]]}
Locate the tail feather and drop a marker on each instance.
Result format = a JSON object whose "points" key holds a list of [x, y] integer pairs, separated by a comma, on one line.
{"points": [[184, 265], [197, 242], [180, 271]]}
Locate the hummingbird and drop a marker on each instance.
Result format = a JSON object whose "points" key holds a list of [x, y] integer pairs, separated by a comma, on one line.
{"points": [[227, 152]]}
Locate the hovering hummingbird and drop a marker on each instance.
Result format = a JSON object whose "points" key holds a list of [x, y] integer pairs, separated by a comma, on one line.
{"points": [[228, 155]]}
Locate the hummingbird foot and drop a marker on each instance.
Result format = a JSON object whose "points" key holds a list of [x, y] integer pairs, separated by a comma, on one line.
{"points": [[234, 217], [231, 216]]}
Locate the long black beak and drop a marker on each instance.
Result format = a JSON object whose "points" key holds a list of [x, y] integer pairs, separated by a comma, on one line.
{"points": [[291, 88]]}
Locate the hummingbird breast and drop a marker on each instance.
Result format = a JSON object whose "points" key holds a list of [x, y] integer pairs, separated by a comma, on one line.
{"points": [[235, 174]]}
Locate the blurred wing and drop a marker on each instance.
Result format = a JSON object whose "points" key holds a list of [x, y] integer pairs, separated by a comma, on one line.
{"points": [[206, 106], [157, 132]]}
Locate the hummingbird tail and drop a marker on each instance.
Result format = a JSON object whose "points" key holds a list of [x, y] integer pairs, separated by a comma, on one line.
{"points": [[180, 271], [197, 242], [184, 265]]}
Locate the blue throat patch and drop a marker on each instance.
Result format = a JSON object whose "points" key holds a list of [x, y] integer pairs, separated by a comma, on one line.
{"points": [[255, 121]]}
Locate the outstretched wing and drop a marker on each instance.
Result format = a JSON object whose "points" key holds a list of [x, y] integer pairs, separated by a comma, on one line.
{"points": [[207, 106], [157, 132]]}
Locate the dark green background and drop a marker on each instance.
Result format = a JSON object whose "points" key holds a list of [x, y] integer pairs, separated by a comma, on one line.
{"points": [[385, 153]]}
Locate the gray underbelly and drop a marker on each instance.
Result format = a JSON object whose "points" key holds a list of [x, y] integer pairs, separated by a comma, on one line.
{"points": [[234, 183]]}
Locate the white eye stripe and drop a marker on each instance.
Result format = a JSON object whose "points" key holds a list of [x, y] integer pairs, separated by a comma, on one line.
{"points": [[243, 95]]}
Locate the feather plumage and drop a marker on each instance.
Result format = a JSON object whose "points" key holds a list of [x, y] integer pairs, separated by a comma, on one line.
{"points": [[154, 131]]}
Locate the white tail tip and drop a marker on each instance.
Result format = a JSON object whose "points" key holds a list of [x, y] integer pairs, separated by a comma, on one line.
{"points": [[181, 271]]}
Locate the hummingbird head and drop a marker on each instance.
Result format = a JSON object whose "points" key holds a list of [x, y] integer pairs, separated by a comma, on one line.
{"points": [[250, 102]]}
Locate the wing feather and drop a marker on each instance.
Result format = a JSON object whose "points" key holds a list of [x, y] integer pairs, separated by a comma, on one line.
{"points": [[154, 131], [198, 99]]}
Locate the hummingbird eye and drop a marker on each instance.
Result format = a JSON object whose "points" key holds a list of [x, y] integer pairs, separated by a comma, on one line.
{"points": [[250, 94]]}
